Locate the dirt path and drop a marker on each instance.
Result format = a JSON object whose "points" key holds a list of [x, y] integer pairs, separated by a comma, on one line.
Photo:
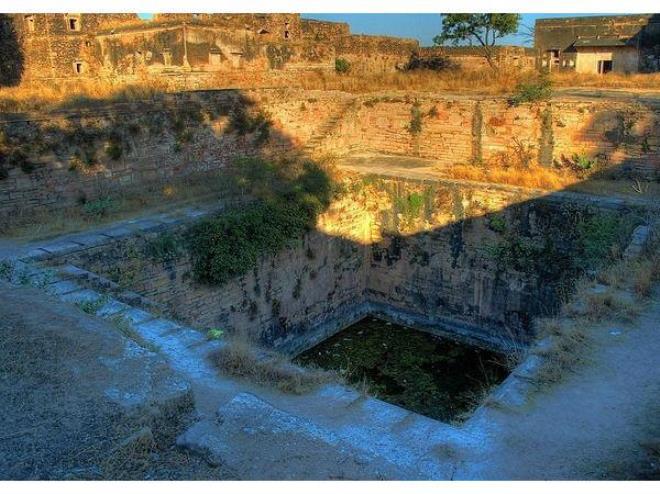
{"points": [[80, 401], [603, 421]]}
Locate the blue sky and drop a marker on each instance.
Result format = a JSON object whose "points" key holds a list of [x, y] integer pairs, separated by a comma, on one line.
{"points": [[420, 26]]}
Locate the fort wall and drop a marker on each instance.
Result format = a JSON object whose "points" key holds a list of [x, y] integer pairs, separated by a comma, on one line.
{"points": [[54, 160]]}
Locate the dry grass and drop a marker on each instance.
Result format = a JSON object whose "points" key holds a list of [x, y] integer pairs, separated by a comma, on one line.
{"points": [[482, 82], [569, 349], [82, 94], [70, 96], [620, 297], [607, 81], [535, 177], [242, 358]]}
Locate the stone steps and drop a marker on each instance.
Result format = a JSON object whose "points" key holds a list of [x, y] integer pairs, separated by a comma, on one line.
{"points": [[260, 441], [327, 127], [380, 440]]}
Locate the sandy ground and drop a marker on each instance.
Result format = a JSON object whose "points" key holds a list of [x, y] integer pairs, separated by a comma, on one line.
{"points": [[80, 401], [600, 422]]}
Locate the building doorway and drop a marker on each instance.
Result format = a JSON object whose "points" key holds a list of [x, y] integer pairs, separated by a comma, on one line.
{"points": [[604, 66]]}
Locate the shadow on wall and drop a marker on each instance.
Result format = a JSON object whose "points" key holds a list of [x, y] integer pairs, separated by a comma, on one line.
{"points": [[484, 261], [75, 157], [621, 140], [448, 258], [11, 54]]}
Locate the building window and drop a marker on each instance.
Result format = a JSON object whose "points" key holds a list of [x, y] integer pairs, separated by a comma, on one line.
{"points": [[73, 22], [604, 66], [29, 23], [553, 55], [78, 67]]}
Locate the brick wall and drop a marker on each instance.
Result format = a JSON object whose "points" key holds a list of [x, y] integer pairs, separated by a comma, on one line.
{"points": [[437, 265], [152, 149], [459, 130]]}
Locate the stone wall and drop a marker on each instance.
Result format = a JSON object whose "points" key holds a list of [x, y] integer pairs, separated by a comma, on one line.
{"points": [[160, 141], [479, 261], [118, 48], [53, 161], [472, 57], [460, 130], [290, 301], [471, 261]]}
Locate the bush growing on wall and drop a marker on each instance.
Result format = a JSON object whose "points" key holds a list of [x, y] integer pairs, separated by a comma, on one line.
{"points": [[436, 63], [342, 66], [231, 243], [532, 92]]}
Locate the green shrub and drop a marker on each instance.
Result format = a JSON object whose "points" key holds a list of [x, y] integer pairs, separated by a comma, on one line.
{"points": [[415, 126], [114, 150], [163, 248], [230, 244], [100, 207], [241, 122], [215, 334], [342, 66], [583, 162], [531, 92], [410, 206], [601, 238], [497, 223]]}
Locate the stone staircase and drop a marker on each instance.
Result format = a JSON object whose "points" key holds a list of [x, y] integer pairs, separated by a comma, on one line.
{"points": [[330, 125], [333, 432]]}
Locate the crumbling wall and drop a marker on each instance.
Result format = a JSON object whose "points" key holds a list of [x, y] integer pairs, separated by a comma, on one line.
{"points": [[458, 130], [453, 130], [56, 160], [119, 48], [473, 261], [473, 58], [316, 281]]}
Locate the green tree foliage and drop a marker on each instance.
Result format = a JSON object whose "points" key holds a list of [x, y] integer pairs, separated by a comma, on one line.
{"points": [[532, 92], [483, 29]]}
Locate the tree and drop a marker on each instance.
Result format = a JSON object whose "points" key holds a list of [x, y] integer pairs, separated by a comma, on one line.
{"points": [[485, 29]]}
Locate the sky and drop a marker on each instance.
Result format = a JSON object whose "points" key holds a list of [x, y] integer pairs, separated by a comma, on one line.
{"points": [[421, 26]]}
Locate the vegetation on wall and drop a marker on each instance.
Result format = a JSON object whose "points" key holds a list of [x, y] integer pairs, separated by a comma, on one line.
{"points": [[12, 58], [415, 125], [589, 240], [435, 63], [342, 66], [532, 91], [23, 145], [289, 196], [243, 123]]}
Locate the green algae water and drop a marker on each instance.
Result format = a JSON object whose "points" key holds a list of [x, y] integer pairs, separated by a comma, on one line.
{"points": [[433, 376]]}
